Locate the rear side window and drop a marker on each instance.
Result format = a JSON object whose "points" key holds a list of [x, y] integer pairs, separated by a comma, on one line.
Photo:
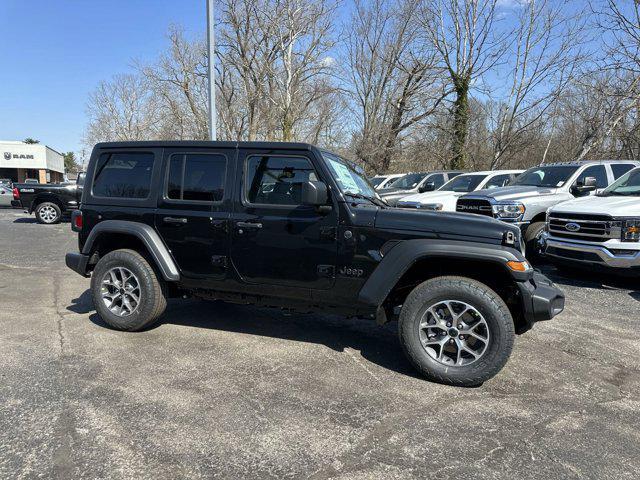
{"points": [[620, 169], [276, 180], [498, 181], [438, 180], [596, 171], [196, 177], [123, 175]]}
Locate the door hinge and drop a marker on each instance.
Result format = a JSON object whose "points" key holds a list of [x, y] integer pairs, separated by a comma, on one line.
{"points": [[328, 233], [326, 271], [219, 261]]}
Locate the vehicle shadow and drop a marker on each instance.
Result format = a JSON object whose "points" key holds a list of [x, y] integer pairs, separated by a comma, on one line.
{"points": [[83, 304], [576, 277], [378, 345], [33, 220]]}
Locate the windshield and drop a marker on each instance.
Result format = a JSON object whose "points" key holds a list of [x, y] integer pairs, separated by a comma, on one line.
{"points": [[346, 176], [550, 177], [626, 185], [409, 181], [463, 183]]}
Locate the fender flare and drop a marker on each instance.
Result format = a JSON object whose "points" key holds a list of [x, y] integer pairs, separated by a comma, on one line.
{"points": [[147, 235], [402, 256]]}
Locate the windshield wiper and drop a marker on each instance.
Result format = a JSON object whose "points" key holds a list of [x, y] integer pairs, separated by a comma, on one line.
{"points": [[374, 200]]}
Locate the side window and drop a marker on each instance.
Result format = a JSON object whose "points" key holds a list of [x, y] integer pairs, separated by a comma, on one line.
{"points": [[277, 180], [438, 180], [196, 177], [123, 175], [596, 171], [498, 181], [620, 169]]}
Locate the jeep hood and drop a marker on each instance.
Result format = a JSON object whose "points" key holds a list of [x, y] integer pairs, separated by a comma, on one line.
{"points": [[616, 206], [443, 224], [515, 193]]}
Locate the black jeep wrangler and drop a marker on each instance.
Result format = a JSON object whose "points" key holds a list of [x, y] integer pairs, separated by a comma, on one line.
{"points": [[296, 227]]}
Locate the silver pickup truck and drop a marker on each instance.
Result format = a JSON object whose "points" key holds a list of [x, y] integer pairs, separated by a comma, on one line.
{"points": [[525, 201]]}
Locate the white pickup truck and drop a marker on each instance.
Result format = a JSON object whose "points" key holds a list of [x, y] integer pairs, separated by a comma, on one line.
{"points": [[598, 231]]}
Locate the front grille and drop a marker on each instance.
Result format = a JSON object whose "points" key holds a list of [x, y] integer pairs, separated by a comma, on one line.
{"points": [[590, 228], [474, 205]]}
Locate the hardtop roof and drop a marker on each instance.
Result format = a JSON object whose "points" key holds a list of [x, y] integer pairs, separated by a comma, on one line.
{"points": [[205, 144]]}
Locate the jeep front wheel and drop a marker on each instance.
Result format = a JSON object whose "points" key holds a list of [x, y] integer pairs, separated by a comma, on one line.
{"points": [[456, 330], [126, 291]]}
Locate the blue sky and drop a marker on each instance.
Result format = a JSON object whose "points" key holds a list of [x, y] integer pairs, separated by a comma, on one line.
{"points": [[55, 52]]}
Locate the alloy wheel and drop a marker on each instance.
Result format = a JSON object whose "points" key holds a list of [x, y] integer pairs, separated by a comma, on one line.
{"points": [[454, 333], [48, 214], [120, 291]]}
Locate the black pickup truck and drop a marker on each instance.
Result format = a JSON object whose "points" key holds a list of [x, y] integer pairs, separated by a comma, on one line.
{"points": [[49, 201], [292, 226]]}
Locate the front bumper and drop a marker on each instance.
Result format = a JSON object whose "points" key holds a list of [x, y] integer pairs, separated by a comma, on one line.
{"points": [[541, 299], [77, 262], [590, 254]]}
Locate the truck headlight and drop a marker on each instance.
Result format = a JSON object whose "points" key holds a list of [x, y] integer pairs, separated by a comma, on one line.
{"points": [[431, 206], [511, 211], [631, 230]]}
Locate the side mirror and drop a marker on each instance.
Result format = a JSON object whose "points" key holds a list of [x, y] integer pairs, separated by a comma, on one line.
{"points": [[314, 194], [427, 187], [589, 185]]}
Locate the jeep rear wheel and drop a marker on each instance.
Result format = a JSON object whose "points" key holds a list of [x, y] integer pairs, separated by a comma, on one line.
{"points": [[48, 213], [456, 330], [126, 291]]}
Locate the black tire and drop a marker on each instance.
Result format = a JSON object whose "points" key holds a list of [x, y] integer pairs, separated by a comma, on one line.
{"points": [[488, 303], [152, 291], [531, 239], [48, 213]]}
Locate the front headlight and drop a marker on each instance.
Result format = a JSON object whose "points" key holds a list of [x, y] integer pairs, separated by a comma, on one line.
{"points": [[512, 211], [431, 206], [631, 230]]}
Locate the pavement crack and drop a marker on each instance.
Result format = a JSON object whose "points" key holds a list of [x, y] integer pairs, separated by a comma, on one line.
{"points": [[59, 315]]}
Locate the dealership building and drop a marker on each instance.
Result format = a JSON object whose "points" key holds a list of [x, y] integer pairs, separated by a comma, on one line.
{"points": [[19, 161]]}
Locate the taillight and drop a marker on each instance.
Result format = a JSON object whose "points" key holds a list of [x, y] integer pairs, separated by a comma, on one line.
{"points": [[16, 194], [76, 221]]}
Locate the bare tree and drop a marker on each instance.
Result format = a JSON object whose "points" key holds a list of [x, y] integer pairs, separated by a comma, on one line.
{"points": [[390, 76], [469, 42], [247, 50], [303, 31], [123, 108], [544, 55], [178, 78]]}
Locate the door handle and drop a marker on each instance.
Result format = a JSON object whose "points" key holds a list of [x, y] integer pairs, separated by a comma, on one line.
{"points": [[174, 220], [248, 225]]}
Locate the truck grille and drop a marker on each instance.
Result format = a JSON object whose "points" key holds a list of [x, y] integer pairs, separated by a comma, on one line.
{"points": [[474, 205], [577, 226]]}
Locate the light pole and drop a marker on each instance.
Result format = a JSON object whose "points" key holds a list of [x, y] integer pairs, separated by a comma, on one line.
{"points": [[211, 49]]}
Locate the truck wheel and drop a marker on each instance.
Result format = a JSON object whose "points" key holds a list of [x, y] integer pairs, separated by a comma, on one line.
{"points": [[532, 240], [48, 213], [457, 331], [126, 291]]}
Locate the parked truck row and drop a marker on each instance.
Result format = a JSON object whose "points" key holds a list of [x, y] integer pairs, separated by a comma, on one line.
{"points": [[536, 201]]}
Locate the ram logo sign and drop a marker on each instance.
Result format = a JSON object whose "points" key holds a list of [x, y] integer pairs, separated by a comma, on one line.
{"points": [[22, 156]]}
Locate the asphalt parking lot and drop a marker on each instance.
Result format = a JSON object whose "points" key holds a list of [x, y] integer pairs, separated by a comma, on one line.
{"points": [[225, 391]]}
